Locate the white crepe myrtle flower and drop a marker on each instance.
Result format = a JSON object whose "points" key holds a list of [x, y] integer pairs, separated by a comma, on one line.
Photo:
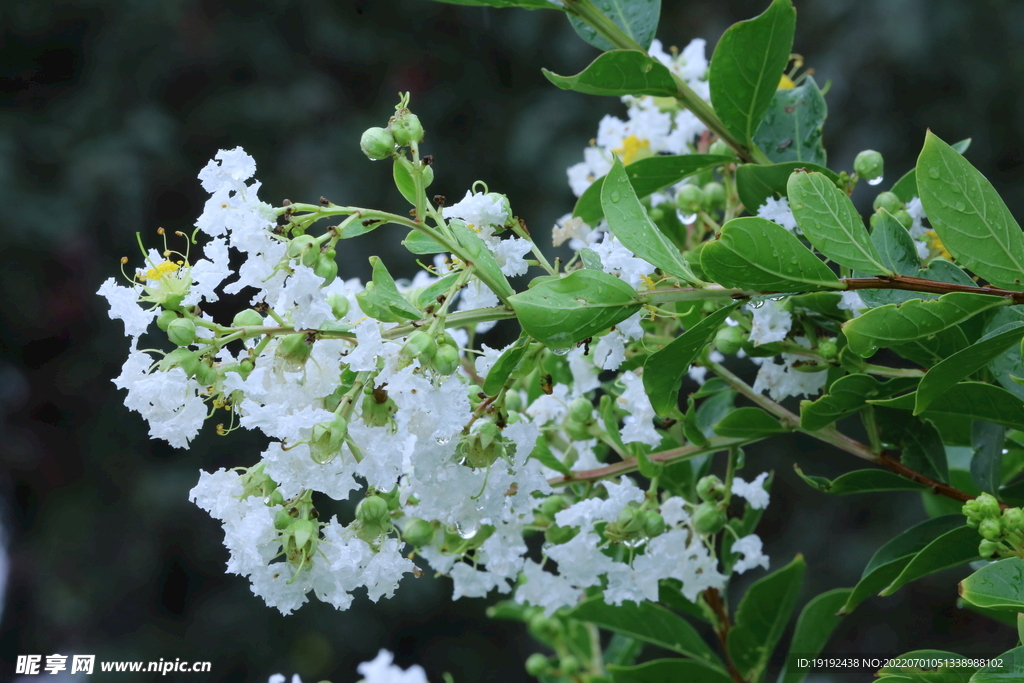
{"points": [[782, 380], [769, 322], [638, 425], [382, 669], [851, 301], [125, 306], [778, 211], [480, 211], [750, 548], [546, 590], [572, 229], [617, 260], [753, 491], [280, 678]]}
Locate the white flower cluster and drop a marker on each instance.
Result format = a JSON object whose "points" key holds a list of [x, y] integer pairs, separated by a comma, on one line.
{"points": [[381, 669]]}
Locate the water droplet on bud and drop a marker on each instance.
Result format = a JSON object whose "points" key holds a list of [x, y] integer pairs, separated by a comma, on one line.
{"points": [[687, 219], [875, 181], [467, 532], [560, 352]]}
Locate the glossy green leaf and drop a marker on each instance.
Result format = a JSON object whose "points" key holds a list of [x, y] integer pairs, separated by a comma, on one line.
{"points": [[638, 19], [923, 450], [969, 215], [386, 292], [861, 481], [829, 220], [791, 129], [987, 440], [1009, 667], [501, 4], [999, 585], [629, 222], [951, 549], [403, 179], [618, 73], [428, 295], [418, 243], [895, 245], [891, 324], [543, 454], [562, 312], [906, 187], [647, 176], [965, 363], [755, 183], [762, 616], [749, 423], [668, 671], [747, 66], [889, 561], [505, 365], [664, 369], [814, 627], [650, 623], [754, 253], [848, 395], [480, 256], [971, 400], [1008, 364]]}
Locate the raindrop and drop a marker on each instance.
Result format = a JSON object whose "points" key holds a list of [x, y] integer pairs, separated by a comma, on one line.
{"points": [[687, 219], [560, 352], [442, 440], [634, 543], [615, 196], [756, 304], [792, 259], [467, 532], [875, 181], [933, 172], [775, 253], [959, 206]]}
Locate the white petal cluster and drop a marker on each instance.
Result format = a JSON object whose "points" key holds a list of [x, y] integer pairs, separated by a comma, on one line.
{"points": [[752, 556], [778, 211], [381, 669], [753, 491], [770, 322]]}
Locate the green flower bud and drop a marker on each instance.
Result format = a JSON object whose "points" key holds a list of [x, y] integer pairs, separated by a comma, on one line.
{"points": [[474, 394], [207, 374], [828, 349], [406, 127], [181, 331], [714, 193], [247, 318], [630, 520], [484, 446], [513, 401], [372, 510], [711, 488], [165, 318], [873, 220], [181, 358], [581, 409], [984, 506], [989, 549], [446, 359], [720, 147], [888, 201], [275, 498], [690, 199], [447, 339], [990, 529], [418, 533], [729, 340], [327, 439], [378, 408], [544, 629], [255, 482], [420, 345], [377, 143], [905, 219], [559, 534], [869, 165], [301, 245], [339, 304], [245, 367], [708, 518], [326, 267], [553, 505], [537, 664], [654, 523], [569, 665], [577, 431], [656, 213], [282, 519], [294, 350], [1013, 520]]}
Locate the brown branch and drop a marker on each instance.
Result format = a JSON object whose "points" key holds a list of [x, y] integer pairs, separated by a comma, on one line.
{"points": [[714, 600], [920, 284]]}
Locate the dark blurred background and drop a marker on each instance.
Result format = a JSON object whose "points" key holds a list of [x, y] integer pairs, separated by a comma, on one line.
{"points": [[109, 108]]}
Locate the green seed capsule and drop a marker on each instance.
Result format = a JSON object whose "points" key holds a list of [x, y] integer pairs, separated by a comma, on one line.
{"points": [[406, 127], [418, 533], [729, 340], [888, 201], [165, 318], [181, 331], [247, 318], [377, 143], [869, 165], [708, 518], [372, 510], [711, 488], [300, 245]]}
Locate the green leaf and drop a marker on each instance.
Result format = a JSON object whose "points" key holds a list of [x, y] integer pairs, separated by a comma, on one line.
{"points": [[542, 453], [428, 295], [965, 363], [889, 561], [749, 423], [892, 324], [747, 66], [1010, 667], [791, 129], [814, 627], [923, 450], [618, 73], [579, 305], [480, 256], [831, 223], [647, 176], [505, 365], [969, 215], [987, 440], [973, 400], [754, 253], [1007, 365], [895, 245], [629, 222], [638, 19], [664, 369], [386, 292], [861, 481], [403, 179], [999, 585], [418, 243], [951, 549], [652, 624], [906, 187], [848, 395], [501, 4], [762, 616], [755, 183], [667, 671]]}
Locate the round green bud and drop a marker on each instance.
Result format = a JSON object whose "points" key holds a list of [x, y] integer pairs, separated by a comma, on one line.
{"points": [[558, 535], [988, 506], [474, 394], [537, 664], [828, 349], [420, 345], [714, 193], [339, 304], [990, 529], [873, 220], [181, 331], [553, 505], [630, 520], [729, 340], [282, 519], [418, 533], [446, 339], [720, 147], [690, 199], [247, 318], [372, 510], [544, 629], [988, 549], [654, 523], [905, 219], [406, 127], [711, 488], [245, 367], [301, 245], [577, 431], [377, 143], [207, 374], [446, 359], [1013, 519], [869, 165], [708, 518], [294, 349], [888, 201], [656, 213], [326, 267], [377, 413], [165, 318], [581, 409], [513, 401], [569, 665]]}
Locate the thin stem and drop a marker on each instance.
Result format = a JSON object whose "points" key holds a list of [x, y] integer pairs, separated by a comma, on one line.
{"points": [[714, 600]]}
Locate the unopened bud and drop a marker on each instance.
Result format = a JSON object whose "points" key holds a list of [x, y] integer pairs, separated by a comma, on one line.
{"points": [[714, 194], [690, 199], [326, 267], [828, 349], [181, 331], [165, 318], [247, 318], [708, 518], [446, 359], [711, 488], [339, 304], [888, 201], [581, 409], [406, 127], [869, 165], [420, 345], [418, 533], [294, 349], [729, 340], [301, 245], [207, 374], [377, 143], [654, 523], [905, 219], [372, 510], [990, 529], [537, 665]]}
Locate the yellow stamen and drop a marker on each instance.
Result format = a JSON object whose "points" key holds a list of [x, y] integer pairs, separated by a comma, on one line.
{"points": [[936, 243], [786, 83], [633, 149], [161, 270]]}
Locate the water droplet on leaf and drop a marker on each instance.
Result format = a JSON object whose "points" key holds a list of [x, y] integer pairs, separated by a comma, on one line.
{"points": [[959, 206], [933, 172], [614, 196], [560, 352]]}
